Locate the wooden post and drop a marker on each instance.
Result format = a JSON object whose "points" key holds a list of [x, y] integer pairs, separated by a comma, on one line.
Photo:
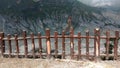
{"points": [[63, 44], [116, 45], [107, 44], [40, 44], [33, 45], [56, 43], [17, 46], [87, 44], [9, 45], [95, 49], [79, 45], [48, 43], [72, 43], [25, 43], [2, 43], [97, 43]]}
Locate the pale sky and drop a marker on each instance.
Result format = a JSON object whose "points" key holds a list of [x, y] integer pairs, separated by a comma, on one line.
{"points": [[102, 2]]}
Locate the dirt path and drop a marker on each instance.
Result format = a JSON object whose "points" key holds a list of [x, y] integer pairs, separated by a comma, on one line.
{"points": [[42, 63]]}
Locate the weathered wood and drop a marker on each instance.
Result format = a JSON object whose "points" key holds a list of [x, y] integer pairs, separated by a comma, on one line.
{"points": [[25, 43], [1, 48], [98, 40], [59, 36], [9, 45], [116, 45], [95, 57], [53, 54], [73, 55], [72, 43], [56, 43], [33, 45], [87, 44], [107, 44], [79, 45], [2, 43], [40, 44], [48, 43], [97, 43], [98, 31], [63, 44], [17, 46]]}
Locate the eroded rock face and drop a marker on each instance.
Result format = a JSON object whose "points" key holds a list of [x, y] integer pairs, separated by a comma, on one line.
{"points": [[2, 21], [37, 15]]}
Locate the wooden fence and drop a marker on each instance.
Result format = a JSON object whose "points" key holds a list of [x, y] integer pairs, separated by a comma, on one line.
{"points": [[96, 37]]}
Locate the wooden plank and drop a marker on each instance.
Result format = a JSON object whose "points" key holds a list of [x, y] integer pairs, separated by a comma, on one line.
{"points": [[53, 54], [97, 43], [1, 43], [17, 45], [1, 48], [25, 43], [87, 44], [9, 45], [48, 43], [40, 44], [107, 44], [98, 40], [59, 36], [116, 45], [33, 45], [56, 44], [95, 54], [63, 44], [72, 43], [79, 45]]}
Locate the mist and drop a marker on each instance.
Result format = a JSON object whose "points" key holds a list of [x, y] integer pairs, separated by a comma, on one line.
{"points": [[112, 3]]}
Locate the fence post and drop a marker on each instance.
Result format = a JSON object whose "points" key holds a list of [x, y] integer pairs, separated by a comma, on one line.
{"points": [[2, 43], [63, 44], [25, 43], [48, 43], [16, 43], [87, 44], [107, 44], [116, 45], [79, 45], [72, 43], [40, 44], [97, 43], [9, 45], [33, 45], [56, 43], [1, 46]]}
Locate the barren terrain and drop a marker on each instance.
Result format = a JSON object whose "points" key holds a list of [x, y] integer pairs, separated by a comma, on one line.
{"points": [[56, 63]]}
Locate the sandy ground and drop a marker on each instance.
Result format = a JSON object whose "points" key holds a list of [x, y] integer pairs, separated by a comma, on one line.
{"points": [[56, 63], [44, 63]]}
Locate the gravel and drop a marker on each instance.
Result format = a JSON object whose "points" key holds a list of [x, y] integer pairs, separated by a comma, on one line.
{"points": [[56, 63]]}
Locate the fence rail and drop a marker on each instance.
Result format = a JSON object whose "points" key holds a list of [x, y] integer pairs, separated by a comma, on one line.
{"points": [[6, 50]]}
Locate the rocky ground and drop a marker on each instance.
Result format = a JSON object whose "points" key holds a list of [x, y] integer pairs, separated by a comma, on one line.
{"points": [[44, 63]]}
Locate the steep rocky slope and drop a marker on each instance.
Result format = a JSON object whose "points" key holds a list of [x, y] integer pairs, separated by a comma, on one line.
{"points": [[37, 15]]}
